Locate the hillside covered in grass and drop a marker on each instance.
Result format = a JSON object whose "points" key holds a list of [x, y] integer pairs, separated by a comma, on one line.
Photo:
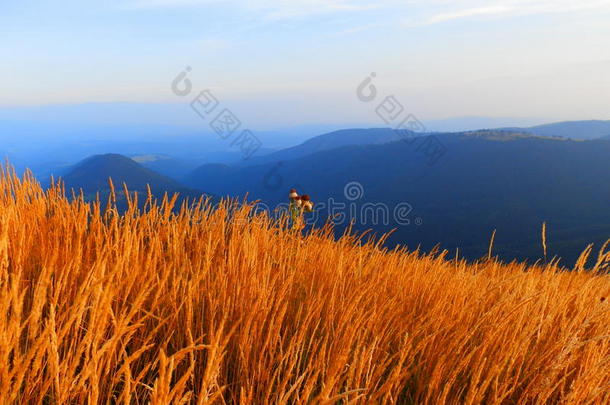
{"points": [[219, 305]]}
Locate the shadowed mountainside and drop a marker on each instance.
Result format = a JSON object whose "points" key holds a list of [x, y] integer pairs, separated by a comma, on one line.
{"points": [[92, 174], [486, 180], [332, 140]]}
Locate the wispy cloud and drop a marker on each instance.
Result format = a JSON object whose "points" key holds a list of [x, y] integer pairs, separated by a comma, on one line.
{"points": [[269, 9], [151, 4], [281, 9], [470, 12], [359, 28], [507, 8]]}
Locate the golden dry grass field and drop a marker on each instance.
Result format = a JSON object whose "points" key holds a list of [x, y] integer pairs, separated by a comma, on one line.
{"points": [[222, 306]]}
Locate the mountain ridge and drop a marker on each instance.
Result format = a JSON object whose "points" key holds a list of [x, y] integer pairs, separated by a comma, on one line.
{"points": [[92, 175], [577, 130], [480, 184]]}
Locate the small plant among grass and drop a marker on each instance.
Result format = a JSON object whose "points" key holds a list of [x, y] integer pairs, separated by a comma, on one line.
{"points": [[299, 205]]}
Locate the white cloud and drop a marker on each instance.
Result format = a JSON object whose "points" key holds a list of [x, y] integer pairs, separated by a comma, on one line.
{"points": [[422, 12], [270, 9], [506, 8], [359, 28], [470, 12], [281, 9], [150, 4]]}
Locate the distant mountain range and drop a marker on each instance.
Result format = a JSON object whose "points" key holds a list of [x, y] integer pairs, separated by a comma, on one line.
{"points": [[579, 130], [486, 180], [332, 140], [92, 176], [511, 180]]}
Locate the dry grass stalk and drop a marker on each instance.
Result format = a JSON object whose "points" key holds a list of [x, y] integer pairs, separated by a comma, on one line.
{"points": [[544, 248], [213, 306]]}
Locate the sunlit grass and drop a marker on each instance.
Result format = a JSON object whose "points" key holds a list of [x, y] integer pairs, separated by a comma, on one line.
{"points": [[225, 306]]}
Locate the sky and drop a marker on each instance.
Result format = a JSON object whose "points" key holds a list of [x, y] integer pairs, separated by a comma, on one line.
{"points": [[295, 62]]}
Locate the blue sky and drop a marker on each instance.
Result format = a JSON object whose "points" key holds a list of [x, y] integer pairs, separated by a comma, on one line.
{"points": [[289, 62]]}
